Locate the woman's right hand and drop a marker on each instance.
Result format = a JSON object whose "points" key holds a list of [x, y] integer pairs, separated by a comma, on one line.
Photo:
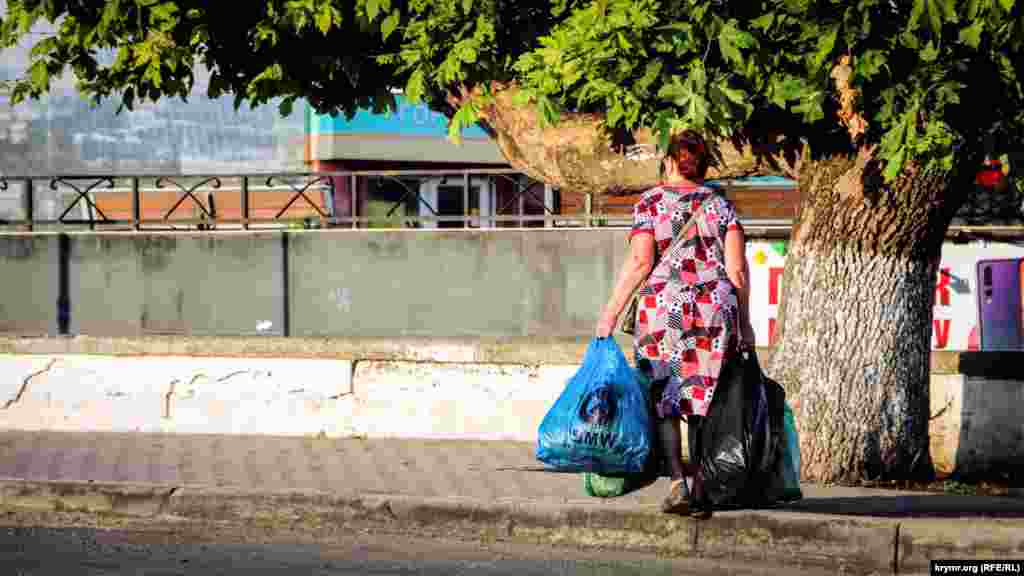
{"points": [[606, 325]]}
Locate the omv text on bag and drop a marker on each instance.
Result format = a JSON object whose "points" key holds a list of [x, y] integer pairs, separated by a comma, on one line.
{"points": [[601, 421]]}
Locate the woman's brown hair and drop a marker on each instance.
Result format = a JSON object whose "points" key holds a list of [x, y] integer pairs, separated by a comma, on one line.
{"points": [[689, 151]]}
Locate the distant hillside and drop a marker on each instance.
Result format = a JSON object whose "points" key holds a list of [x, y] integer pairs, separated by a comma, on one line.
{"points": [[66, 134]]}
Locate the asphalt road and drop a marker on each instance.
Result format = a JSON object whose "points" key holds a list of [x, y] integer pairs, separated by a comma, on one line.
{"points": [[37, 544]]}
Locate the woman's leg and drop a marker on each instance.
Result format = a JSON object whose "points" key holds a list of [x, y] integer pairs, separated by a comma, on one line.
{"points": [[693, 440], [678, 499], [672, 446], [699, 507]]}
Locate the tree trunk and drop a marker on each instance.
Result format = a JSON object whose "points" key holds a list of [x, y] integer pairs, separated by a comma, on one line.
{"points": [[854, 343]]}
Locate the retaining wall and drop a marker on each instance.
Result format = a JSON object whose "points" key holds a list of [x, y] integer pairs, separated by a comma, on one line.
{"points": [[470, 388]]}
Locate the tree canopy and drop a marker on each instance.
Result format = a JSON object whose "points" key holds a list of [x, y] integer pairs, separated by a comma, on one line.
{"points": [[921, 79]]}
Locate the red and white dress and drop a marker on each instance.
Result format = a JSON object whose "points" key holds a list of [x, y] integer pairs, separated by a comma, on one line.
{"points": [[688, 313]]}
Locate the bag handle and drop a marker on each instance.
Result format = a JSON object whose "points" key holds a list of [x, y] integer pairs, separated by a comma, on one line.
{"points": [[678, 239], [629, 320]]}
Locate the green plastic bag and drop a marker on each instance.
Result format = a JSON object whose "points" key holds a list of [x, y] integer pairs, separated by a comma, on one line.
{"points": [[600, 486], [604, 486], [791, 458]]}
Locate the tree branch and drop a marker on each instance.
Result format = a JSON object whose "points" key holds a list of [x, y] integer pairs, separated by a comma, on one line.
{"points": [[580, 154]]}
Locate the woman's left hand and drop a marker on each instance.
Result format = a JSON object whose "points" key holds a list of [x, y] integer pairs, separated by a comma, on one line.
{"points": [[606, 325]]}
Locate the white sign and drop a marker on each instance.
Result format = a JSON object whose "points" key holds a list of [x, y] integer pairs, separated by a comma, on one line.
{"points": [[954, 326]]}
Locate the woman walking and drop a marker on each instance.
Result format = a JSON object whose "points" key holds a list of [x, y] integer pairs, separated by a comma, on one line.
{"points": [[693, 313]]}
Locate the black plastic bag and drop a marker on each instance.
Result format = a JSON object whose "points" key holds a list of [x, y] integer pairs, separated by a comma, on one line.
{"points": [[741, 437], [769, 484]]}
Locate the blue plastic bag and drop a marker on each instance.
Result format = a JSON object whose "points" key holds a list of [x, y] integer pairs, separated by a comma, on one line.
{"points": [[601, 422], [791, 458]]}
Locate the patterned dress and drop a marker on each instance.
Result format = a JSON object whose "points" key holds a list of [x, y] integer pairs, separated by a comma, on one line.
{"points": [[688, 313]]}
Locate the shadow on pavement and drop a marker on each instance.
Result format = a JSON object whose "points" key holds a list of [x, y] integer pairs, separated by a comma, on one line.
{"points": [[922, 506]]}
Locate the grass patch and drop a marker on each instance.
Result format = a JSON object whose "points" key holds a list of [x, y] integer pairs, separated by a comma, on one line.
{"points": [[945, 486]]}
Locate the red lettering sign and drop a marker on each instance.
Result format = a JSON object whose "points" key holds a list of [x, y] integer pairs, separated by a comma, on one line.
{"points": [[942, 288], [771, 331], [774, 285], [941, 330]]}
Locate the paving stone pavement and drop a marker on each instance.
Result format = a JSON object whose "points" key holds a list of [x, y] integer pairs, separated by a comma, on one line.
{"points": [[485, 471], [428, 468]]}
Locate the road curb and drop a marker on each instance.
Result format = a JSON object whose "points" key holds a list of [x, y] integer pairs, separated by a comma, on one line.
{"points": [[849, 544], [755, 535]]}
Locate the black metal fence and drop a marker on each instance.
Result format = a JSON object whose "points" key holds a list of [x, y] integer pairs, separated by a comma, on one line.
{"points": [[418, 199], [375, 199]]}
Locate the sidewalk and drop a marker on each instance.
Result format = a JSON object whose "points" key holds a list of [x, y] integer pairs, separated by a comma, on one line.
{"points": [[483, 489]]}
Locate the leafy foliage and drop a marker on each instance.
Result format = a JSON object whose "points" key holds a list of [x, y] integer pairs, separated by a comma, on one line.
{"points": [[931, 77]]}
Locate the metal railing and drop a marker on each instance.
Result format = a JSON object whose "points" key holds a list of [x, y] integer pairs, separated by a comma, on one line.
{"points": [[310, 200], [404, 198]]}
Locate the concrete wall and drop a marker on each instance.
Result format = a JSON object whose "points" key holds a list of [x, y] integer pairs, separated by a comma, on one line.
{"points": [[131, 284], [316, 283], [135, 284], [462, 283], [29, 280], [474, 389]]}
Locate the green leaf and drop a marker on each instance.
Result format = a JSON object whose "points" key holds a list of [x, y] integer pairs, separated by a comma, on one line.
{"points": [[285, 107], [971, 35], [40, 75], [389, 25], [43, 47], [826, 43], [929, 53], [916, 11], [810, 106], [730, 40], [164, 11], [372, 9], [463, 117], [868, 64], [467, 6], [698, 77], [673, 91], [651, 73], [549, 114], [733, 95], [323, 19], [615, 113], [675, 26], [934, 17], [521, 98], [909, 40], [697, 111], [1007, 5], [728, 47], [415, 87], [763, 22], [663, 128], [786, 89], [973, 8], [894, 164]]}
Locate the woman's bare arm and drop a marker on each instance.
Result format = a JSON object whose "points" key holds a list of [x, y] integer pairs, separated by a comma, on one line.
{"points": [[634, 270], [739, 274]]}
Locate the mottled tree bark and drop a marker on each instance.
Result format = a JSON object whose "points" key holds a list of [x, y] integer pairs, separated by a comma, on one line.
{"points": [[854, 342]]}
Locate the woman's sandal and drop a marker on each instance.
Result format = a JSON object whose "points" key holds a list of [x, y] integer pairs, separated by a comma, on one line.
{"points": [[677, 501]]}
